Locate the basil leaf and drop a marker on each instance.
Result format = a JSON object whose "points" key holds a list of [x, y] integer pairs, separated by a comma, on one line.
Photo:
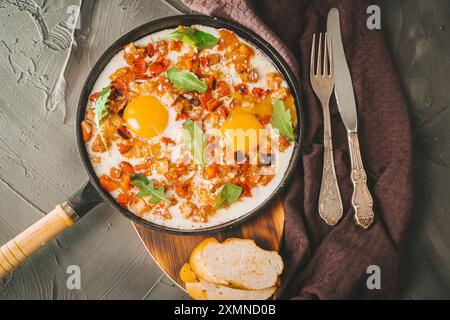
{"points": [[183, 79], [205, 40], [195, 140], [101, 110], [229, 194], [200, 39], [281, 119], [148, 189]]}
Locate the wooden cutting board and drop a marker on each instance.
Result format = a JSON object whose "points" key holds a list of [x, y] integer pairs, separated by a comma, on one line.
{"points": [[172, 251]]}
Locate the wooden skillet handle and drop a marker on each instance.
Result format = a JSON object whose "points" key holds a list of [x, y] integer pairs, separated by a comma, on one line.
{"points": [[32, 239]]}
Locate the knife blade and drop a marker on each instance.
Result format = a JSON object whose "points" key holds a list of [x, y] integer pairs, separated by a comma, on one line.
{"points": [[343, 90]]}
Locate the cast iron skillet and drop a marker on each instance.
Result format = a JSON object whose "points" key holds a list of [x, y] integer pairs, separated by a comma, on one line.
{"points": [[91, 194]]}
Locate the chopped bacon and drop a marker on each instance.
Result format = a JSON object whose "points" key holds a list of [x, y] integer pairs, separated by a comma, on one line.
{"points": [[108, 184]]}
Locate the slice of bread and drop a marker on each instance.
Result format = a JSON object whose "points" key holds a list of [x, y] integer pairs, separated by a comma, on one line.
{"points": [[236, 262], [204, 290], [197, 265]]}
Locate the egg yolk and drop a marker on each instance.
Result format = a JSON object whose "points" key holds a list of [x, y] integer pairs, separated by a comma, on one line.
{"points": [[146, 116], [242, 131]]}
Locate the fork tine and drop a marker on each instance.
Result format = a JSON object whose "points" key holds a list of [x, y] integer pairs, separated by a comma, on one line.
{"points": [[313, 58], [331, 55], [319, 56], [325, 56]]}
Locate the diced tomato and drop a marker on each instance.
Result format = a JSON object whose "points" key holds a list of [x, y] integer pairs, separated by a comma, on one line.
{"points": [[203, 62], [139, 67], [222, 111], [86, 130], [167, 141], [222, 89], [284, 143], [211, 172], [143, 166], [241, 88], [162, 48], [124, 199], [93, 96], [176, 45], [181, 190], [125, 182], [123, 148], [265, 119], [149, 50], [126, 167], [246, 190], [212, 82], [182, 116], [212, 104], [115, 173], [205, 98], [120, 86], [156, 68], [258, 92], [108, 184]]}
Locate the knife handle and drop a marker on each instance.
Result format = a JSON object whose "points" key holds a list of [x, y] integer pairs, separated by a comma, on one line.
{"points": [[330, 203], [361, 200]]}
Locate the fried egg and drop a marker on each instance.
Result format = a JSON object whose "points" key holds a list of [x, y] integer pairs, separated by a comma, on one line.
{"points": [[146, 116]]}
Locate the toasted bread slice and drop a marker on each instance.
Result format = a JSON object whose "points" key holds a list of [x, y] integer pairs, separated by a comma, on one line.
{"points": [[196, 263], [236, 262], [204, 290]]}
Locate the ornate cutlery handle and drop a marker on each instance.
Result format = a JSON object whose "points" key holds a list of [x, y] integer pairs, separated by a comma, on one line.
{"points": [[361, 200], [330, 203]]}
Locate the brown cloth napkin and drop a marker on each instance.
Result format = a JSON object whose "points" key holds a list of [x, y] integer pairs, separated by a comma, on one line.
{"points": [[323, 262]]}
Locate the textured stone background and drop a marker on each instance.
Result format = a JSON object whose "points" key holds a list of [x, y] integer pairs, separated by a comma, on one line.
{"points": [[39, 164]]}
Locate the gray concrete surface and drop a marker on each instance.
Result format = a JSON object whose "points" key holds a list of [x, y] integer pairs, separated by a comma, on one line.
{"points": [[39, 164]]}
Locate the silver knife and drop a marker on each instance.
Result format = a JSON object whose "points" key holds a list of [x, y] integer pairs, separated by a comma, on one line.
{"points": [[361, 200]]}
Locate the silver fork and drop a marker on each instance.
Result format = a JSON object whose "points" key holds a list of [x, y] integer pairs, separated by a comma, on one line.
{"points": [[322, 82]]}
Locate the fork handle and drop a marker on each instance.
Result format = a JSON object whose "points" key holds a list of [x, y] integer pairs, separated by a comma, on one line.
{"points": [[361, 200], [330, 203]]}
